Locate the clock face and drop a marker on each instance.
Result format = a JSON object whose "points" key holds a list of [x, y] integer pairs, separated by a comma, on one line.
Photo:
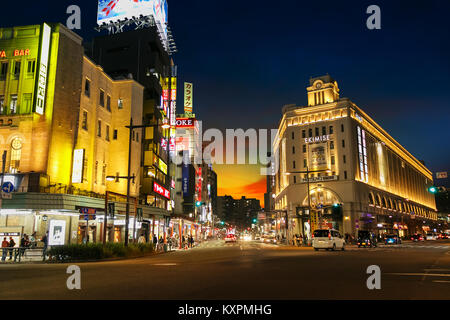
{"points": [[16, 144], [319, 85]]}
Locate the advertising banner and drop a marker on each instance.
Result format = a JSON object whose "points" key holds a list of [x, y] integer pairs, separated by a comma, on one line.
{"points": [[318, 156], [43, 69], [188, 97], [57, 233], [185, 174], [78, 162]]}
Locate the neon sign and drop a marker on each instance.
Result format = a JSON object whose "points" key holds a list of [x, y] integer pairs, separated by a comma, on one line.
{"points": [[161, 190], [43, 70]]}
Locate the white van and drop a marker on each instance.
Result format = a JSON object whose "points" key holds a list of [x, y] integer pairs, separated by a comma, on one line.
{"points": [[328, 239]]}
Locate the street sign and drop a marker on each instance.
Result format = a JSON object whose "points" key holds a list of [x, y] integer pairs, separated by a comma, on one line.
{"points": [[7, 187], [88, 214]]}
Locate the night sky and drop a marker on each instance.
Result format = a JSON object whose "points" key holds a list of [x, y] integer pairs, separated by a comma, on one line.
{"points": [[249, 58]]}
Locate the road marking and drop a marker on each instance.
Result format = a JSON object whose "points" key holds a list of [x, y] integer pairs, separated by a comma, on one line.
{"points": [[422, 274], [436, 269], [441, 281], [165, 264]]}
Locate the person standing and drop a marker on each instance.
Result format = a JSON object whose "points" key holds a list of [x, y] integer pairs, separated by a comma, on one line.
{"points": [[22, 245], [12, 244], [45, 241], [5, 244]]}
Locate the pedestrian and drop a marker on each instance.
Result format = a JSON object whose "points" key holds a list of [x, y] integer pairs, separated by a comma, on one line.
{"points": [[161, 243], [192, 241], [5, 244], [141, 239], [22, 245], [45, 241], [155, 240], [12, 244], [184, 242]]}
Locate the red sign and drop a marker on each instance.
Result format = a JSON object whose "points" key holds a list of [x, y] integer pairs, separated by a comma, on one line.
{"points": [[185, 122], [161, 190], [2, 54], [18, 53]]}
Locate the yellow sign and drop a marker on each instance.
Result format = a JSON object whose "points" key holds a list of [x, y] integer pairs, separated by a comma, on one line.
{"points": [[162, 166], [188, 97]]}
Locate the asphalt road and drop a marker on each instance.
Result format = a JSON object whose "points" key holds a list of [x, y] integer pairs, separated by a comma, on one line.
{"points": [[245, 270]]}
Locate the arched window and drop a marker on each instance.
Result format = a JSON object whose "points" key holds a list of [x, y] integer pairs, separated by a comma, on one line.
{"points": [[394, 205], [371, 200], [15, 154], [383, 202], [321, 196], [378, 200], [389, 204]]}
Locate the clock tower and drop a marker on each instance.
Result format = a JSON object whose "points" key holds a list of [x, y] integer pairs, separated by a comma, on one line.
{"points": [[322, 90]]}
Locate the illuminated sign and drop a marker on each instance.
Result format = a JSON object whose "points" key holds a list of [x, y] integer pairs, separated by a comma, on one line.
{"points": [[78, 162], [172, 144], [43, 69], [161, 190], [57, 233], [19, 53], [162, 166], [2, 54], [317, 139], [185, 122], [164, 143], [188, 97]]}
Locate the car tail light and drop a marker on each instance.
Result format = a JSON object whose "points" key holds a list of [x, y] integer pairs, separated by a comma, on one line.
{"points": [[329, 235]]}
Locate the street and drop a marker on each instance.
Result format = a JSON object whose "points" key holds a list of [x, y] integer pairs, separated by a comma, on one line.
{"points": [[245, 270]]}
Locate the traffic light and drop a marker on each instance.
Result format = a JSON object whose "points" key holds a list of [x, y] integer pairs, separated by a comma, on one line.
{"points": [[222, 222], [198, 204], [433, 190], [255, 220]]}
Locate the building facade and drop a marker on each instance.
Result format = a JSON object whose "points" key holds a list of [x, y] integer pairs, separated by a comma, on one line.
{"points": [[357, 175]]}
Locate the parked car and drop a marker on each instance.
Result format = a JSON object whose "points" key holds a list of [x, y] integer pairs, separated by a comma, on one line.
{"points": [[230, 238], [366, 239], [328, 239], [392, 239], [417, 237]]}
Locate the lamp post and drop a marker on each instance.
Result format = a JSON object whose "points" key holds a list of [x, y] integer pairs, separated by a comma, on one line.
{"points": [[129, 177]]}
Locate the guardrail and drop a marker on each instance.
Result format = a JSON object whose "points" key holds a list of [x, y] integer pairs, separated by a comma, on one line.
{"points": [[20, 253]]}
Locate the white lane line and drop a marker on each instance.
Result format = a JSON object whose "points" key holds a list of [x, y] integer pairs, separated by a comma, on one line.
{"points": [[441, 281], [422, 274], [165, 264]]}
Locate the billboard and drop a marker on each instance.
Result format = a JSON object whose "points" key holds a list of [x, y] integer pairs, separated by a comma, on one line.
{"points": [[44, 54], [188, 97], [78, 162], [115, 10], [57, 233], [318, 156]]}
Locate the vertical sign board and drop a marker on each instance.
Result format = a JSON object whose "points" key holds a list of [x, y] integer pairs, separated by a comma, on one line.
{"points": [[185, 174], [188, 97], [41, 86], [78, 162]]}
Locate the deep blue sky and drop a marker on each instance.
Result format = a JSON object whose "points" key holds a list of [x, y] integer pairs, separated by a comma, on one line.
{"points": [[249, 58]]}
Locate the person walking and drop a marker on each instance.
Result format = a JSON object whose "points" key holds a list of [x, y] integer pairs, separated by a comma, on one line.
{"points": [[12, 244], [192, 241], [22, 245], [45, 241], [5, 244]]}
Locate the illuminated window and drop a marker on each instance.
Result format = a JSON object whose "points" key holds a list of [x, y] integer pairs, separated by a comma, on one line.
{"points": [[362, 151], [332, 160], [16, 154], [2, 104], [13, 104], [120, 104]]}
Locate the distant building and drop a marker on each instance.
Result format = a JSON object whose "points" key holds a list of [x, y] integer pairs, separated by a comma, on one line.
{"points": [[240, 212]]}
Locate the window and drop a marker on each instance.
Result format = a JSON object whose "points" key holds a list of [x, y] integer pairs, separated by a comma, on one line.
{"points": [[13, 104], [310, 133], [331, 129], [16, 69], [87, 88], [26, 103], [303, 133], [99, 129], [31, 66], [342, 128], [345, 159], [102, 98], [84, 122], [95, 172], [317, 132], [293, 135], [115, 134], [293, 164], [295, 179], [304, 148], [137, 136], [108, 103], [16, 154], [332, 160], [2, 104], [371, 200], [293, 150], [343, 143], [324, 131], [120, 104], [107, 133], [331, 145], [345, 175], [3, 70], [305, 164]]}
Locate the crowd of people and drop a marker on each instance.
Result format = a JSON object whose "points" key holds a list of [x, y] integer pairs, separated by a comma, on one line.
{"points": [[26, 242], [171, 242]]}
